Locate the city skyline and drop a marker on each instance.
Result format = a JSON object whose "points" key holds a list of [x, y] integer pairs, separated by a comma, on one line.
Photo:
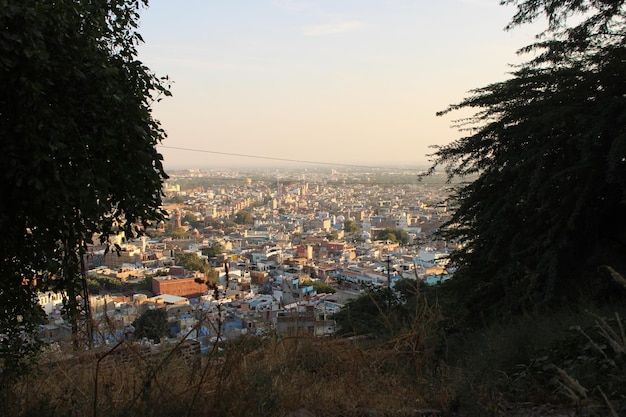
{"points": [[296, 83]]}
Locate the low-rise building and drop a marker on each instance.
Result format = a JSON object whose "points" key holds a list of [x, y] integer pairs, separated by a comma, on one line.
{"points": [[183, 286]]}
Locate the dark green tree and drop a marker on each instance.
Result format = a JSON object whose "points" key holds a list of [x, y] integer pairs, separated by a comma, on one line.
{"points": [[178, 233], [349, 226], [393, 235], [177, 199], [548, 149], [213, 250], [366, 315], [320, 287], [78, 149], [100, 283], [152, 324], [145, 284], [193, 221], [244, 217], [192, 262]]}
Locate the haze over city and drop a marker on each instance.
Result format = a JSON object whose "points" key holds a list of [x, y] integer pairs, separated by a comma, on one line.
{"points": [[348, 82]]}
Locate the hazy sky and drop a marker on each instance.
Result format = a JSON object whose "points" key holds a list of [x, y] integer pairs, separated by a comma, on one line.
{"points": [[334, 81]]}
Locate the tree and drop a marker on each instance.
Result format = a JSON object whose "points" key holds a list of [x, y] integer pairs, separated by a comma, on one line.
{"points": [[78, 154], [548, 147], [98, 283], [177, 199], [215, 249], [320, 287], [192, 262], [193, 221], [146, 283], [178, 233], [393, 235], [152, 325], [349, 226], [244, 217], [366, 314]]}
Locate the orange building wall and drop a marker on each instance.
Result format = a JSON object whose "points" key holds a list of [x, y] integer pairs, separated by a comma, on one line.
{"points": [[182, 287]]}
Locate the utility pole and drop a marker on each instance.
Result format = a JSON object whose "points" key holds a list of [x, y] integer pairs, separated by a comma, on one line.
{"points": [[389, 280], [86, 302]]}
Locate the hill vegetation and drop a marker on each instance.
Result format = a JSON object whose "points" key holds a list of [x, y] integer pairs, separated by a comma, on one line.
{"points": [[531, 324], [79, 158], [542, 220], [391, 359]]}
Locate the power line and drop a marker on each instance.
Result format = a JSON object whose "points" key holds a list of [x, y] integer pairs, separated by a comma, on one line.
{"points": [[429, 182], [278, 159]]}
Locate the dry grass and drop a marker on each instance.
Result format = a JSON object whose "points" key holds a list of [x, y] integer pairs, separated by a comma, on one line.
{"points": [[390, 376], [254, 376], [327, 377]]}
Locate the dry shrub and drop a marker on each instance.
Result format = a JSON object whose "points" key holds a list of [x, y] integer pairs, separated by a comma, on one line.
{"points": [[342, 377], [79, 385], [252, 376], [327, 377]]}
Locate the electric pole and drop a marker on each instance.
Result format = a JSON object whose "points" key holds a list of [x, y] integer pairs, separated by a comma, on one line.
{"points": [[389, 281]]}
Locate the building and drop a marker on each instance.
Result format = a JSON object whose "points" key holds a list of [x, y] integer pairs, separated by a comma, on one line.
{"points": [[50, 301], [182, 286]]}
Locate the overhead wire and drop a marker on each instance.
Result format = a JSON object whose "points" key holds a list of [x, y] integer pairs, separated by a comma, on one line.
{"points": [[281, 159]]}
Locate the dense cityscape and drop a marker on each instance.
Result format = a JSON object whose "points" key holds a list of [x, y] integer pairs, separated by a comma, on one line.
{"points": [[492, 283], [274, 251]]}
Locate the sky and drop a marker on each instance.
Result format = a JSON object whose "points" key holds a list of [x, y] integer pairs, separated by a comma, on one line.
{"points": [[307, 83]]}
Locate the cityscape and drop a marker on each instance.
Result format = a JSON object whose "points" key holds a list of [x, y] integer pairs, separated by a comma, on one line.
{"points": [[279, 251], [299, 208]]}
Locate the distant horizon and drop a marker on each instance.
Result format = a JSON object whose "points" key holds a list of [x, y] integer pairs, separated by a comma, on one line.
{"points": [[356, 82], [263, 162]]}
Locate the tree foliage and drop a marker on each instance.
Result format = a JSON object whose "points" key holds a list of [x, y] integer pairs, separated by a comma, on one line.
{"points": [[78, 139], [178, 233], [152, 325], [177, 199], [215, 249], [349, 226], [192, 220], [244, 217], [382, 312], [548, 147], [98, 283], [320, 287], [366, 315], [393, 235], [192, 262]]}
